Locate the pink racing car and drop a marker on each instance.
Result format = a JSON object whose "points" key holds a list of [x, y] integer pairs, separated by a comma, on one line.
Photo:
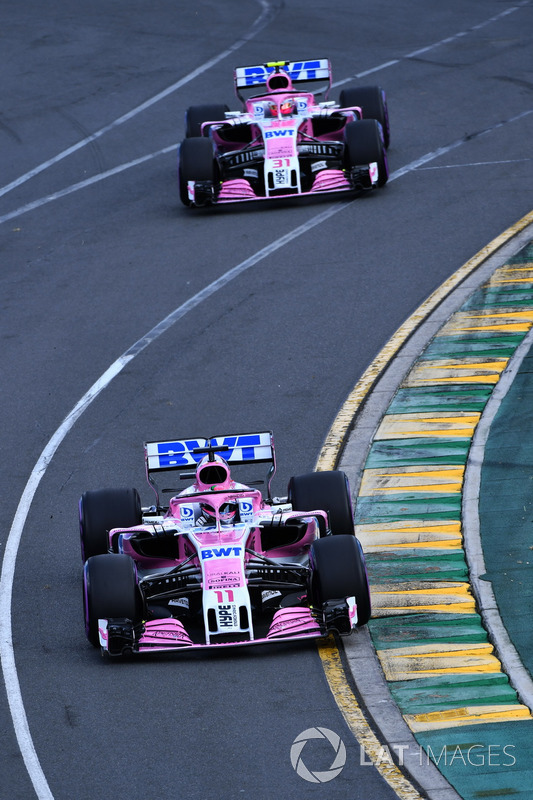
{"points": [[220, 565], [284, 142]]}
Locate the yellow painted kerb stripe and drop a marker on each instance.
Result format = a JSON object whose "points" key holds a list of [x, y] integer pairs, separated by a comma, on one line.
{"points": [[352, 713]]}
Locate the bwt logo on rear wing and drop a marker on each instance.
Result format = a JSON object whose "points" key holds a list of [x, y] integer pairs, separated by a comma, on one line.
{"points": [[300, 72], [247, 448]]}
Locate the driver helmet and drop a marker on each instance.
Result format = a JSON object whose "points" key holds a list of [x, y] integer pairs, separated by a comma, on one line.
{"points": [[287, 107], [227, 513]]}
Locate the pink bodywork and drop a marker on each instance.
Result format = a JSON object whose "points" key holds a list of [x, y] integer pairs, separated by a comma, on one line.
{"points": [[280, 137], [222, 577]]}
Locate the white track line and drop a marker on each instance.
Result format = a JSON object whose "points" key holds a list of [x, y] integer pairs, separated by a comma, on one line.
{"points": [[84, 184], [259, 24], [477, 164], [435, 45]]}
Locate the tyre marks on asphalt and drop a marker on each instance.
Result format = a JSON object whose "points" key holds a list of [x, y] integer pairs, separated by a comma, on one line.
{"points": [[442, 670]]}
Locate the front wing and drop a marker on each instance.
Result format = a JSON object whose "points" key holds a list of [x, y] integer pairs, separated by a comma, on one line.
{"points": [[238, 190], [120, 637]]}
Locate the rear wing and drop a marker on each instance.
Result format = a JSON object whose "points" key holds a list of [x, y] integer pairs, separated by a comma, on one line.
{"points": [[238, 450], [307, 76]]}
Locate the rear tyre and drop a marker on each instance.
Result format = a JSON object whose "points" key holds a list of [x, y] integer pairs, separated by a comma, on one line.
{"points": [[364, 145], [338, 571], [110, 590], [195, 163], [102, 510], [195, 116], [325, 491], [373, 103]]}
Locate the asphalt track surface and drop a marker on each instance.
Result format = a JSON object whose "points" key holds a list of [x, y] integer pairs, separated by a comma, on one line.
{"points": [[96, 251]]}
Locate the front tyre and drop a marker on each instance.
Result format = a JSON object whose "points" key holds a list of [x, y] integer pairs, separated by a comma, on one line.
{"points": [[339, 571], [110, 590], [196, 162], [364, 145]]}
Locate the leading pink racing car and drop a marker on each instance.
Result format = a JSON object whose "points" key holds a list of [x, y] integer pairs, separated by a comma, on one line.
{"points": [[285, 141], [220, 565]]}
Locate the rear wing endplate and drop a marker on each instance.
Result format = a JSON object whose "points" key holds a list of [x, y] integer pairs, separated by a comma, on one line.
{"points": [[238, 450], [308, 76]]}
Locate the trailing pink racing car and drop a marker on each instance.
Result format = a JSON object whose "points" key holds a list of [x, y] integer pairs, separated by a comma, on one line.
{"points": [[285, 141], [220, 565]]}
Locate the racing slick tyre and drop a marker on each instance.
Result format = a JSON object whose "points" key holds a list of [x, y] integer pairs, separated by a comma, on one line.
{"points": [[325, 491], [195, 163], [195, 116], [110, 590], [338, 571], [364, 145], [372, 101], [102, 510]]}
